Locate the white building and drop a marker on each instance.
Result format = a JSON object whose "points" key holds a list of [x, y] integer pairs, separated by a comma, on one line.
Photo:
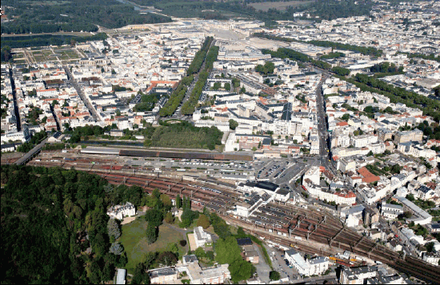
{"points": [[121, 211], [315, 266], [391, 211], [201, 237]]}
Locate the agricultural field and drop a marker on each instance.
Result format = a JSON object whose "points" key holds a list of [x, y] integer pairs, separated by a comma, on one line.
{"points": [[265, 6]]}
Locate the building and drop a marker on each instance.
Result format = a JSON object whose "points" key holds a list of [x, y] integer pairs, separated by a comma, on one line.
{"points": [[421, 216], [201, 237], [198, 275], [250, 254], [121, 211], [120, 276], [409, 136], [357, 275], [315, 266], [163, 275], [391, 211]]}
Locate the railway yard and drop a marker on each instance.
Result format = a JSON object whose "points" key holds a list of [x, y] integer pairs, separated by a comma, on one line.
{"points": [[310, 230]]}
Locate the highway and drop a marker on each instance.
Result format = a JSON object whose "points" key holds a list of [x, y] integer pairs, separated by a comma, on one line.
{"points": [[78, 89]]}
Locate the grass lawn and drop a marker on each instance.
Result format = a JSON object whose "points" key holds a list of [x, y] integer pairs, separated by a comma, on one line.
{"points": [[135, 244]]}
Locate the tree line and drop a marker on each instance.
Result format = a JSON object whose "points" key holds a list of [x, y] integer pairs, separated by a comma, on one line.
{"points": [[363, 50], [46, 40], [189, 106], [430, 107]]}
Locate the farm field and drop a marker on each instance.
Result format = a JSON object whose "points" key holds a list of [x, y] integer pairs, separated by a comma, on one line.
{"points": [[265, 6]]}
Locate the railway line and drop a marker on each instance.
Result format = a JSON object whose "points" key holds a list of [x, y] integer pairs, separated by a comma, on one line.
{"points": [[277, 222]]}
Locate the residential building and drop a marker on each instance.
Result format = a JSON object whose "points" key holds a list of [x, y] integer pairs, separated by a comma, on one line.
{"points": [[201, 237]]}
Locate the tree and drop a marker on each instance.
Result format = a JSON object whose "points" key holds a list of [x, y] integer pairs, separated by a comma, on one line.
{"points": [[149, 258], [55, 102], [151, 233], [169, 218], [430, 247], [236, 82], [227, 251], [167, 258], [6, 54], [166, 201], [233, 124], [345, 117], [114, 231], [274, 275], [178, 202], [227, 86], [154, 217], [410, 197], [216, 86], [203, 221], [200, 253], [140, 275], [116, 248]]}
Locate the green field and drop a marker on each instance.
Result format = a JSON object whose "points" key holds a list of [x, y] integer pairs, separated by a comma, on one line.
{"points": [[135, 244], [265, 6]]}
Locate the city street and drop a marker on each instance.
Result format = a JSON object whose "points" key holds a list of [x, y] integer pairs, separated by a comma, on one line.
{"points": [[81, 94]]}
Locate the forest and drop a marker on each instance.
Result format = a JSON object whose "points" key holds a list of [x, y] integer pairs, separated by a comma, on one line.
{"points": [[55, 228], [182, 134], [325, 9], [80, 15]]}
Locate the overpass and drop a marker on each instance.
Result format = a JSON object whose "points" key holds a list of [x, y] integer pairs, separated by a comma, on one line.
{"points": [[28, 156]]}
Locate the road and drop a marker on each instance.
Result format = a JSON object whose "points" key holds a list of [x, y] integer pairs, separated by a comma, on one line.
{"points": [[78, 89], [324, 151], [25, 158], [14, 96]]}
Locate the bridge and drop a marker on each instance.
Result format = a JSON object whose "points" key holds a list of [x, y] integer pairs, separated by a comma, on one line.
{"points": [[28, 156]]}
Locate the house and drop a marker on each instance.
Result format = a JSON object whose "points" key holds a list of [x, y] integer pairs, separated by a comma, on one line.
{"points": [[121, 211], [201, 237], [314, 266], [250, 254]]}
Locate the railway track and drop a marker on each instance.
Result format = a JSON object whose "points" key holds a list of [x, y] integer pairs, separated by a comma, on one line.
{"points": [[286, 222]]}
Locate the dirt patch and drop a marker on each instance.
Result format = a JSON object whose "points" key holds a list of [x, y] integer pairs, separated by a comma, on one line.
{"points": [[128, 220], [192, 242]]}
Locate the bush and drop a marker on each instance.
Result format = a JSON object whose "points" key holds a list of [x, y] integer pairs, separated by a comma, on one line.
{"points": [[274, 275]]}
